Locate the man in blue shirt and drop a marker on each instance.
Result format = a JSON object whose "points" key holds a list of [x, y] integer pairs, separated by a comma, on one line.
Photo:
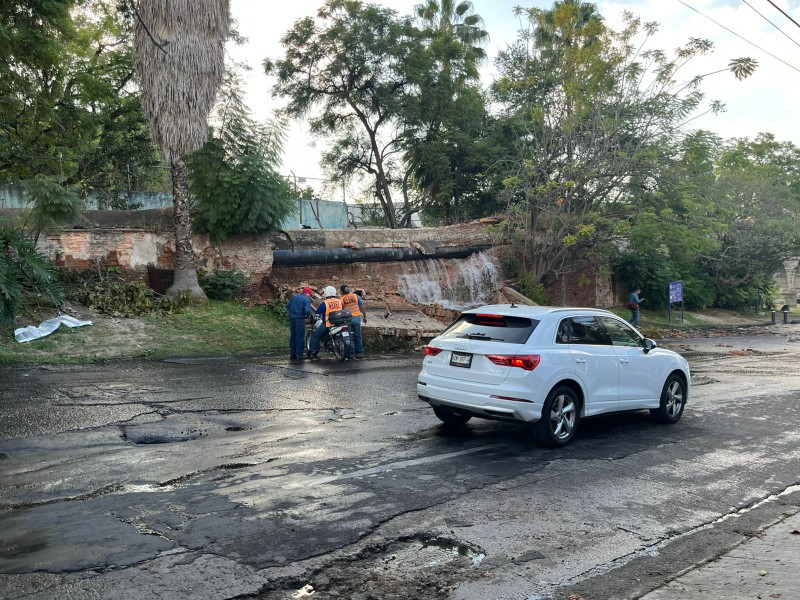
{"points": [[299, 308], [633, 304]]}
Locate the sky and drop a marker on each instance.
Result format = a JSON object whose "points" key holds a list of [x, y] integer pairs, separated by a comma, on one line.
{"points": [[767, 101]]}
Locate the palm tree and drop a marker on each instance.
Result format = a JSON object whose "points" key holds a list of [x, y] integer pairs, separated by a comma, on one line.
{"points": [[179, 48], [567, 23], [446, 22]]}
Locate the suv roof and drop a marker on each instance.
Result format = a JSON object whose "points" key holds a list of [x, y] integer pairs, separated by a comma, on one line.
{"points": [[524, 310]]}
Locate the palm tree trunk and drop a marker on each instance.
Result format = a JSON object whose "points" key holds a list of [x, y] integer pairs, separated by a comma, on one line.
{"points": [[185, 269]]}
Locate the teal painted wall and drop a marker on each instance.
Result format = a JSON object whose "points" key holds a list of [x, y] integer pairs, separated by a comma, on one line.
{"points": [[333, 215]]}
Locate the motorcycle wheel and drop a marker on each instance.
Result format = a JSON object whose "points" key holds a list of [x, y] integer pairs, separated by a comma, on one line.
{"points": [[308, 341], [339, 348]]}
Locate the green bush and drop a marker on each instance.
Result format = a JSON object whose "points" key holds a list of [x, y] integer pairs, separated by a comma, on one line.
{"points": [[529, 287], [222, 285], [107, 292], [25, 274], [279, 310]]}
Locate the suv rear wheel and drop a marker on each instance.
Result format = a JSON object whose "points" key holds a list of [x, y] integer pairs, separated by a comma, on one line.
{"points": [[560, 418], [450, 417]]}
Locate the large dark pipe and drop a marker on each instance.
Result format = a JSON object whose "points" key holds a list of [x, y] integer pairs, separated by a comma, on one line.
{"points": [[332, 256]]}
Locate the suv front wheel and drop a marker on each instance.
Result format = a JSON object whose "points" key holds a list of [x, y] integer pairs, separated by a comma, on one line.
{"points": [[673, 399]]}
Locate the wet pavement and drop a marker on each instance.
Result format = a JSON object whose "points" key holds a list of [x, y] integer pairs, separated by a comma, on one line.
{"points": [[224, 477]]}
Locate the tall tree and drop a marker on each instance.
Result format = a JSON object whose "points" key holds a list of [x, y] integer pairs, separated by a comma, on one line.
{"points": [[68, 107], [350, 70], [179, 47], [595, 114], [444, 132]]}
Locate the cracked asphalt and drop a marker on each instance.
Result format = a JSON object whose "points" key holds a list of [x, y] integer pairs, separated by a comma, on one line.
{"points": [[226, 478]]}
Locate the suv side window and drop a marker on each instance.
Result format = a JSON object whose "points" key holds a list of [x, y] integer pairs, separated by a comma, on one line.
{"points": [[620, 333], [581, 330]]}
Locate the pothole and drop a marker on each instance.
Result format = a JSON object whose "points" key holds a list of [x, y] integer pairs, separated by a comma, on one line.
{"points": [[450, 549]]}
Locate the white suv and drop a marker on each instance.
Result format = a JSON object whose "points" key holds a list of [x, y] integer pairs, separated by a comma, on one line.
{"points": [[549, 367]]}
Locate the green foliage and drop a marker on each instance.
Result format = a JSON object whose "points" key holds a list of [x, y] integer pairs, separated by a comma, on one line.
{"points": [[53, 205], [234, 179], [279, 311], [108, 292], [531, 288], [589, 140], [25, 273], [351, 71], [510, 266], [222, 285], [69, 108], [723, 222]]}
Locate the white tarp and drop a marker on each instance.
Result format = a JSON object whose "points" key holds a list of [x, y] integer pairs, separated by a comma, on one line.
{"points": [[28, 334]]}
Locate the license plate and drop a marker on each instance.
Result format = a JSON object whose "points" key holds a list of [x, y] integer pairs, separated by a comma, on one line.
{"points": [[345, 334], [460, 359]]}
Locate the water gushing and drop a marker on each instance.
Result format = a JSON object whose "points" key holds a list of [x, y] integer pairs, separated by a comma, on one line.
{"points": [[451, 283]]}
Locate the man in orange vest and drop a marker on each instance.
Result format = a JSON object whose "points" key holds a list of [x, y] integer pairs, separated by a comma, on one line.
{"points": [[353, 302], [326, 307]]}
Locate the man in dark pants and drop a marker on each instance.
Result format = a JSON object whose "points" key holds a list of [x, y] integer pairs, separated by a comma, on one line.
{"points": [[299, 308], [353, 302]]}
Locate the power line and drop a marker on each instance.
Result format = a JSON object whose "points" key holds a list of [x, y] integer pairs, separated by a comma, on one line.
{"points": [[739, 36], [771, 23], [784, 13]]}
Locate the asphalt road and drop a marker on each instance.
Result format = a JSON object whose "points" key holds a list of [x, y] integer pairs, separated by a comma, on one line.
{"points": [[221, 478]]}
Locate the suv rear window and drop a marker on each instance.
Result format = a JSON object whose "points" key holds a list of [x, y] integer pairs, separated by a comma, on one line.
{"points": [[493, 328]]}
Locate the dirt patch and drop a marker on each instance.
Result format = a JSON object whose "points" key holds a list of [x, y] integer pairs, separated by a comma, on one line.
{"points": [[407, 569]]}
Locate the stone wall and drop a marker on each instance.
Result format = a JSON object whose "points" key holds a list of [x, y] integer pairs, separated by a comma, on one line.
{"points": [[788, 282], [136, 240]]}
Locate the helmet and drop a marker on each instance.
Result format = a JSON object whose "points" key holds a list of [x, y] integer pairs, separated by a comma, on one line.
{"points": [[329, 291]]}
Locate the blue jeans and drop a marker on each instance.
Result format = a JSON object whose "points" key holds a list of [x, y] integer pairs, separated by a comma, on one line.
{"points": [[316, 336], [297, 334], [355, 328], [635, 317]]}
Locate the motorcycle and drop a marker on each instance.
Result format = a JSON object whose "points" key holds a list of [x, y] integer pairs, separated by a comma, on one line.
{"points": [[338, 338]]}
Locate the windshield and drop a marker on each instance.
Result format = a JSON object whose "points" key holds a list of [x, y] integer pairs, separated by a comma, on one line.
{"points": [[494, 328]]}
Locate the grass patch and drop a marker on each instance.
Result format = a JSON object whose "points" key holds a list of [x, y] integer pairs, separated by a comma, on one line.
{"points": [[212, 328]]}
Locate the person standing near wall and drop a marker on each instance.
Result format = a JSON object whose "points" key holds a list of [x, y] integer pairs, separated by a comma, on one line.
{"points": [[330, 305], [353, 302], [299, 309], [633, 305]]}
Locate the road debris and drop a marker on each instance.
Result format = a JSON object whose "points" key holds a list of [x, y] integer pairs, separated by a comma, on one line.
{"points": [[30, 333]]}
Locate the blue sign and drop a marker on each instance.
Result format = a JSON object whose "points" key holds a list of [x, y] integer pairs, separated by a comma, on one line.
{"points": [[675, 291]]}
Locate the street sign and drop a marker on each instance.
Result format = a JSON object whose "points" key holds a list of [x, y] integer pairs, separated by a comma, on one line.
{"points": [[675, 291]]}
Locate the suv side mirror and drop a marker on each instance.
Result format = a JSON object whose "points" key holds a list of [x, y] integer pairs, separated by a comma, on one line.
{"points": [[649, 344]]}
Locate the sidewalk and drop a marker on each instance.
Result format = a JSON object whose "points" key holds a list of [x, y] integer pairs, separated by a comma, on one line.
{"points": [[763, 567]]}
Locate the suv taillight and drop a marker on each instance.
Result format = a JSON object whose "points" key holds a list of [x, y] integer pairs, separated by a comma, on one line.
{"points": [[432, 350], [529, 362]]}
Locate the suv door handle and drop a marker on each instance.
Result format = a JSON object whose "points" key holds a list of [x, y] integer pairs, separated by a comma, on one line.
{"points": [[580, 361], [624, 360]]}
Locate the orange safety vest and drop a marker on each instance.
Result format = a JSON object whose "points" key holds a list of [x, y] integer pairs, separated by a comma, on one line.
{"points": [[350, 302], [331, 305]]}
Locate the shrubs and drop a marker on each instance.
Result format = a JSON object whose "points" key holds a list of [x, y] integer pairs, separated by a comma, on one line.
{"points": [[25, 274], [222, 285], [530, 288], [107, 292]]}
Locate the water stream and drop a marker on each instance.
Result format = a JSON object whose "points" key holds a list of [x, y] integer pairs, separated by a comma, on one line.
{"points": [[451, 283]]}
